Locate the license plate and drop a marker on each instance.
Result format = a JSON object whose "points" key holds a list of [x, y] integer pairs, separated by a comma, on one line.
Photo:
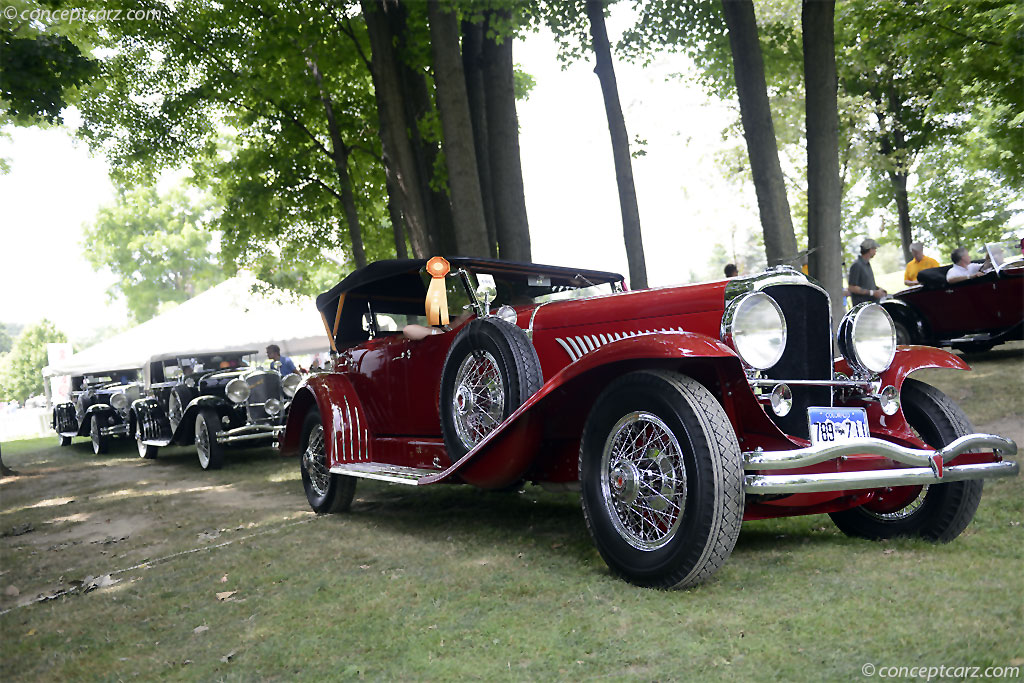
{"points": [[837, 425]]}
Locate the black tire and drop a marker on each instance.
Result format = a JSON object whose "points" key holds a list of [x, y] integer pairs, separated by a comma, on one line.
{"points": [[145, 450], [327, 493], [698, 464], [64, 440], [904, 335], [211, 453], [100, 442], [504, 361], [939, 512]]}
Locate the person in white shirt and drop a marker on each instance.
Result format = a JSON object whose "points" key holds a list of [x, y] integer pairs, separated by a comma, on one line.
{"points": [[963, 269]]}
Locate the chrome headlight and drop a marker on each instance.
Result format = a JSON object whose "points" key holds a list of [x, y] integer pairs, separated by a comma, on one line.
{"points": [[133, 393], [272, 406], [754, 326], [867, 338], [118, 401], [290, 383], [237, 390]]}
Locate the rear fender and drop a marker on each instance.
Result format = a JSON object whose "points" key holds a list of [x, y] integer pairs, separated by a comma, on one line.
{"points": [[347, 436], [508, 452]]}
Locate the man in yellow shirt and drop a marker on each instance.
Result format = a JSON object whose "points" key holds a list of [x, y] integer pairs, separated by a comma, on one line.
{"points": [[917, 264]]}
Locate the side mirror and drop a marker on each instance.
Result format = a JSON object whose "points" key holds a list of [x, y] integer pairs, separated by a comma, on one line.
{"points": [[486, 292]]}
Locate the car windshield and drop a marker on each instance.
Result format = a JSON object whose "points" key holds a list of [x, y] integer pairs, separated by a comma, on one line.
{"points": [[521, 289], [1006, 253]]}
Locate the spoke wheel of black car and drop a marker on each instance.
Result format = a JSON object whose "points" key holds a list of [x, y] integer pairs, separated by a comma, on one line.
{"points": [[177, 402], [211, 453], [491, 369], [903, 334], [99, 441], [662, 480], [325, 492], [939, 512], [145, 450]]}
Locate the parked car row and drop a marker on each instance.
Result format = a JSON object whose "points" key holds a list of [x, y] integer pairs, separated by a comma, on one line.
{"points": [[212, 400], [677, 413]]}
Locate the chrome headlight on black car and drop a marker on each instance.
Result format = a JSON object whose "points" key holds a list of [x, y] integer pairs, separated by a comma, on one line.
{"points": [[867, 338], [118, 401], [237, 390], [754, 326], [290, 383]]}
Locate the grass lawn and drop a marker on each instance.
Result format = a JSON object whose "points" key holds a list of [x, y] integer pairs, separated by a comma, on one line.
{"points": [[227, 575]]}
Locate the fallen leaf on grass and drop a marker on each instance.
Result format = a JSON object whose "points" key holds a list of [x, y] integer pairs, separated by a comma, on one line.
{"points": [[227, 658], [31, 632], [225, 595], [201, 629], [99, 582], [12, 591], [888, 551], [364, 566]]}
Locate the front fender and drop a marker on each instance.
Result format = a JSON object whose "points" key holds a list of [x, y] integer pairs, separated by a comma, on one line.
{"points": [[346, 433], [510, 450], [148, 416], [99, 410], [187, 427]]}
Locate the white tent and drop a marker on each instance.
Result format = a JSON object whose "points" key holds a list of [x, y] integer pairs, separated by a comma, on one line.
{"points": [[228, 317]]}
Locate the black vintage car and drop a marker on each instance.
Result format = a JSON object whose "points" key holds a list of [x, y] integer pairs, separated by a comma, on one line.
{"points": [[99, 407], [212, 400]]}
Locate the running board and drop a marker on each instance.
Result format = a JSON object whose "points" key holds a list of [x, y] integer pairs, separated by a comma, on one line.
{"points": [[395, 474]]}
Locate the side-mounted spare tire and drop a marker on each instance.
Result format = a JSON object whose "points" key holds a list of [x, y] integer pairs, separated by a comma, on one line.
{"points": [[491, 369]]}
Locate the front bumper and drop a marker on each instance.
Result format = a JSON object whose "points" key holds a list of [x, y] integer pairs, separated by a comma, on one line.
{"points": [[929, 466], [251, 432], [115, 430]]}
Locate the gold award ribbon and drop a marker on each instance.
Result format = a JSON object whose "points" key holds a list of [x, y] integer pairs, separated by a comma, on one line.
{"points": [[437, 297]]}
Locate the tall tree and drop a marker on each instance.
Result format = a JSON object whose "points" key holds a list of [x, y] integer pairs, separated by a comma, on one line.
{"points": [[472, 64], [459, 151], [158, 247], [21, 375], [511, 224], [824, 189], [759, 132], [620, 147]]}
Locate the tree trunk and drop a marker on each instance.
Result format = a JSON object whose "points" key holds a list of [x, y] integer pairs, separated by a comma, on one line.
{"points": [[894, 148], [398, 150], [459, 154], [397, 220], [620, 147], [511, 224], [824, 188], [472, 46], [759, 132], [339, 155]]}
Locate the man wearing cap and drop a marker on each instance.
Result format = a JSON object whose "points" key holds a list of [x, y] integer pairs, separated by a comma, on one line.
{"points": [[917, 264], [862, 278]]}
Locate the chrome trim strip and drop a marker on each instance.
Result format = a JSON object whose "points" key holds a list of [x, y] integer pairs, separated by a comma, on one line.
{"points": [[812, 455], [366, 444], [852, 383], [561, 342], [346, 427], [872, 479], [529, 331], [394, 474], [356, 434], [575, 347], [115, 430], [250, 433]]}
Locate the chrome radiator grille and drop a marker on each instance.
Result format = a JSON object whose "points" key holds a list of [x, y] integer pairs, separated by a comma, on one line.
{"points": [[808, 352], [262, 385]]}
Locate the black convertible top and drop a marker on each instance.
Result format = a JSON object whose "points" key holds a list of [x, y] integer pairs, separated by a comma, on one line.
{"points": [[399, 280]]}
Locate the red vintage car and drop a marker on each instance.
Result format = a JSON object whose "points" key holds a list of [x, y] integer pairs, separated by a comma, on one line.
{"points": [[676, 412], [971, 316]]}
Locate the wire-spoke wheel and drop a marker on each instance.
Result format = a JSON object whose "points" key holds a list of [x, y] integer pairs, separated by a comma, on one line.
{"points": [[661, 479], [643, 480], [211, 453], [325, 492], [939, 512], [99, 441], [491, 369]]}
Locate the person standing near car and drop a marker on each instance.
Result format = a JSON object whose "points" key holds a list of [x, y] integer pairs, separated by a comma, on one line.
{"points": [[918, 263], [282, 364], [862, 278]]}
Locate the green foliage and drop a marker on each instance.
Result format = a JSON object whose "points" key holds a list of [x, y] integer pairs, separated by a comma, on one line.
{"points": [[21, 371], [961, 206], [158, 247], [6, 343]]}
